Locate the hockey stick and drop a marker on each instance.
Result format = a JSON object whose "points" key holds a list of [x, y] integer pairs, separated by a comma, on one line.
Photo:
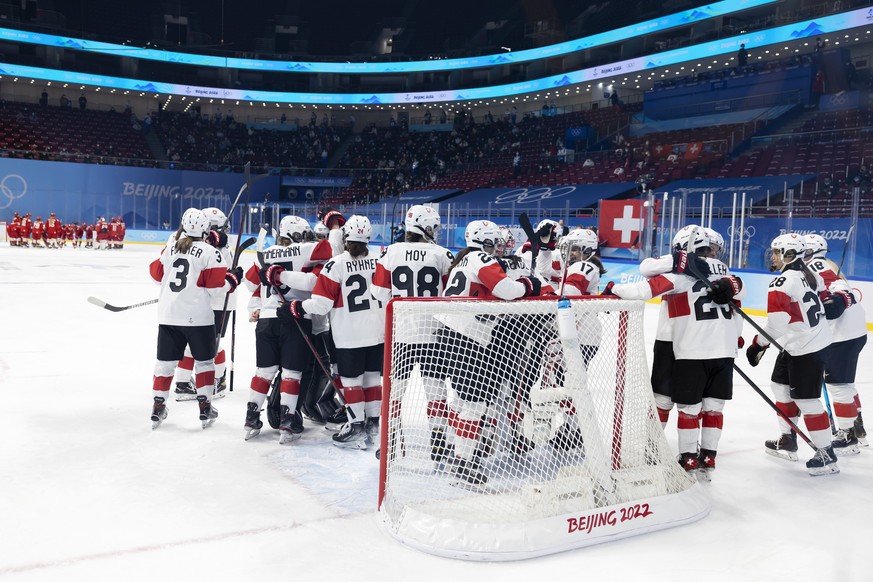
{"points": [[117, 308], [845, 248], [527, 227], [772, 404], [312, 348], [232, 347]]}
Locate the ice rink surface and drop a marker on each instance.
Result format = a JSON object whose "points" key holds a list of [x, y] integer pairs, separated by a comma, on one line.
{"points": [[89, 492]]}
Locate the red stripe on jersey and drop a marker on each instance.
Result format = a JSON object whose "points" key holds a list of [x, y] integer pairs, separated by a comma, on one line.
{"points": [[329, 289], [479, 290], [829, 276], [212, 278], [677, 305], [712, 419], [660, 285], [491, 275], [465, 429], [322, 251], [156, 270], [687, 421], [316, 270], [578, 281], [382, 277], [253, 275], [779, 301], [817, 421]]}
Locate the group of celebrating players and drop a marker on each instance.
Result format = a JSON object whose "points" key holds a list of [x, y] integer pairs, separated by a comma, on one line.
{"points": [[23, 231], [318, 295]]}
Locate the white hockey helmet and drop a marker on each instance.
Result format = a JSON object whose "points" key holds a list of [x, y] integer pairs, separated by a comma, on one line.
{"points": [[784, 250], [682, 241], [294, 228], [422, 220], [716, 242], [357, 229], [582, 240], [320, 230], [482, 235], [217, 218], [508, 241], [195, 223], [816, 247]]}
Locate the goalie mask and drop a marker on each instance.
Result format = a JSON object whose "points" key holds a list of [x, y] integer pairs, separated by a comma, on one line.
{"points": [[784, 250], [508, 241], [217, 219], [816, 247], [294, 228], [484, 235], [195, 223], [581, 244], [357, 229], [422, 220]]}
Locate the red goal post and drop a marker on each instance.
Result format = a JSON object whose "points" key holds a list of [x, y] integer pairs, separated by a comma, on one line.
{"points": [[556, 423]]}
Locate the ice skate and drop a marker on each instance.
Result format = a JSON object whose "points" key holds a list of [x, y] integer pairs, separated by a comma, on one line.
{"points": [[253, 420], [159, 412], [689, 462], [185, 391], [785, 447], [705, 464], [372, 428], [845, 442], [440, 449], [336, 421], [220, 389], [208, 413], [353, 435], [566, 438], [468, 472], [824, 462], [860, 431], [290, 425]]}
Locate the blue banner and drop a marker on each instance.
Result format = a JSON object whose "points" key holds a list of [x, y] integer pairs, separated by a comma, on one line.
{"points": [[756, 188], [531, 198], [317, 181], [144, 197]]}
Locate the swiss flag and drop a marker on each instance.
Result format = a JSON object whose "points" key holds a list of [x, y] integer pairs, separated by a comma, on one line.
{"points": [[693, 149], [661, 151], [621, 223]]}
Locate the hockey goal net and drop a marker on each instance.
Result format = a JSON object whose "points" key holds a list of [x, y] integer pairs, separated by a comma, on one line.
{"points": [[509, 432]]}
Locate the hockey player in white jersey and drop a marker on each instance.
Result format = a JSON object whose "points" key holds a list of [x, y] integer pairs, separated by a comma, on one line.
{"points": [[549, 265], [704, 345], [288, 274], [849, 331], [417, 267], [796, 319], [357, 324], [191, 273], [185, 390], [476, 272]]}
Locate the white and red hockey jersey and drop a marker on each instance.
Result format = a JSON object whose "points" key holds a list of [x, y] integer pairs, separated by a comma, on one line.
{"points": [[218, 301], [479, 274], [550, 264], [700, 328], [583, 278], [301, 262], [853, 321], [189, 281], [344, 291], [795, 315]]}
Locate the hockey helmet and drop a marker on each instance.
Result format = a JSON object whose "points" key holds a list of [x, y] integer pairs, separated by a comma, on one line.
{"points": [[39, 217], [422, 220], [357, 229], [508, 241], [321, 231], [51, 214], [217, 218], [483, 235], [194, 223], [691, 238], [294, 228], [716, 242], [784, 250], [28, 214], [816, 247], [582, 240]]}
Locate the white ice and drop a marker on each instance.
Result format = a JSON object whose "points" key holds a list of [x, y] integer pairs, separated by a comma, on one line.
{"points": [[89, 492]]}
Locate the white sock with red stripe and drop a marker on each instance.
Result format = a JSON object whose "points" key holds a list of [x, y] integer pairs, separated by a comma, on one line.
{"points": [[664, 404], [260, 387], [204, 377], [782, 396], [712, 421], [289, 388], [816, 420], [220, 363], [466, 424], [688, 425], [845, 409]]}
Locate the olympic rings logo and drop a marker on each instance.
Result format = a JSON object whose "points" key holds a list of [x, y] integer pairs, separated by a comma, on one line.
{"points": [[12, 187], [148, 236], [748, 233], [531, 195]]}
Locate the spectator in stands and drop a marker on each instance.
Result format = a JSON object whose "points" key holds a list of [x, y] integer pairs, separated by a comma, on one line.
{"points": [[283, 119], [588, 163], [818, 88], [516, 165], [443, 116], [742, 56], [64, 101], [128, 108], [851, 74], [819, 45], [313, 119], [514, 115], [864, 174], [427, 117], [613, 99], [44, 98], [553, 109], [828, 188], [545, 112], [83, 102]]}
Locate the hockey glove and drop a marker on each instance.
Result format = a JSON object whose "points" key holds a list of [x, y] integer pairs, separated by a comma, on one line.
{"points": [[217, 239], [288, 312], [331, 218], [690, 264], [270, 276], [532, 286], [608, 289], [725, 289], [548, 237], [755, 352], [233, 277], [835, 304], [741, 342]]}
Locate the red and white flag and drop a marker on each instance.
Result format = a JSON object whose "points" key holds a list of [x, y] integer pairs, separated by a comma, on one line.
{"points": [[621, 223], [693, 150]]}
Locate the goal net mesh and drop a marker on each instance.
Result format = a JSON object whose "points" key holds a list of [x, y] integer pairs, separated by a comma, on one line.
{"points": [[495, 416]]}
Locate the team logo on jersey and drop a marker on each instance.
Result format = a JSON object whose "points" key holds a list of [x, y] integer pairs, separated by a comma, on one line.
{"points": [[13, 187]]}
